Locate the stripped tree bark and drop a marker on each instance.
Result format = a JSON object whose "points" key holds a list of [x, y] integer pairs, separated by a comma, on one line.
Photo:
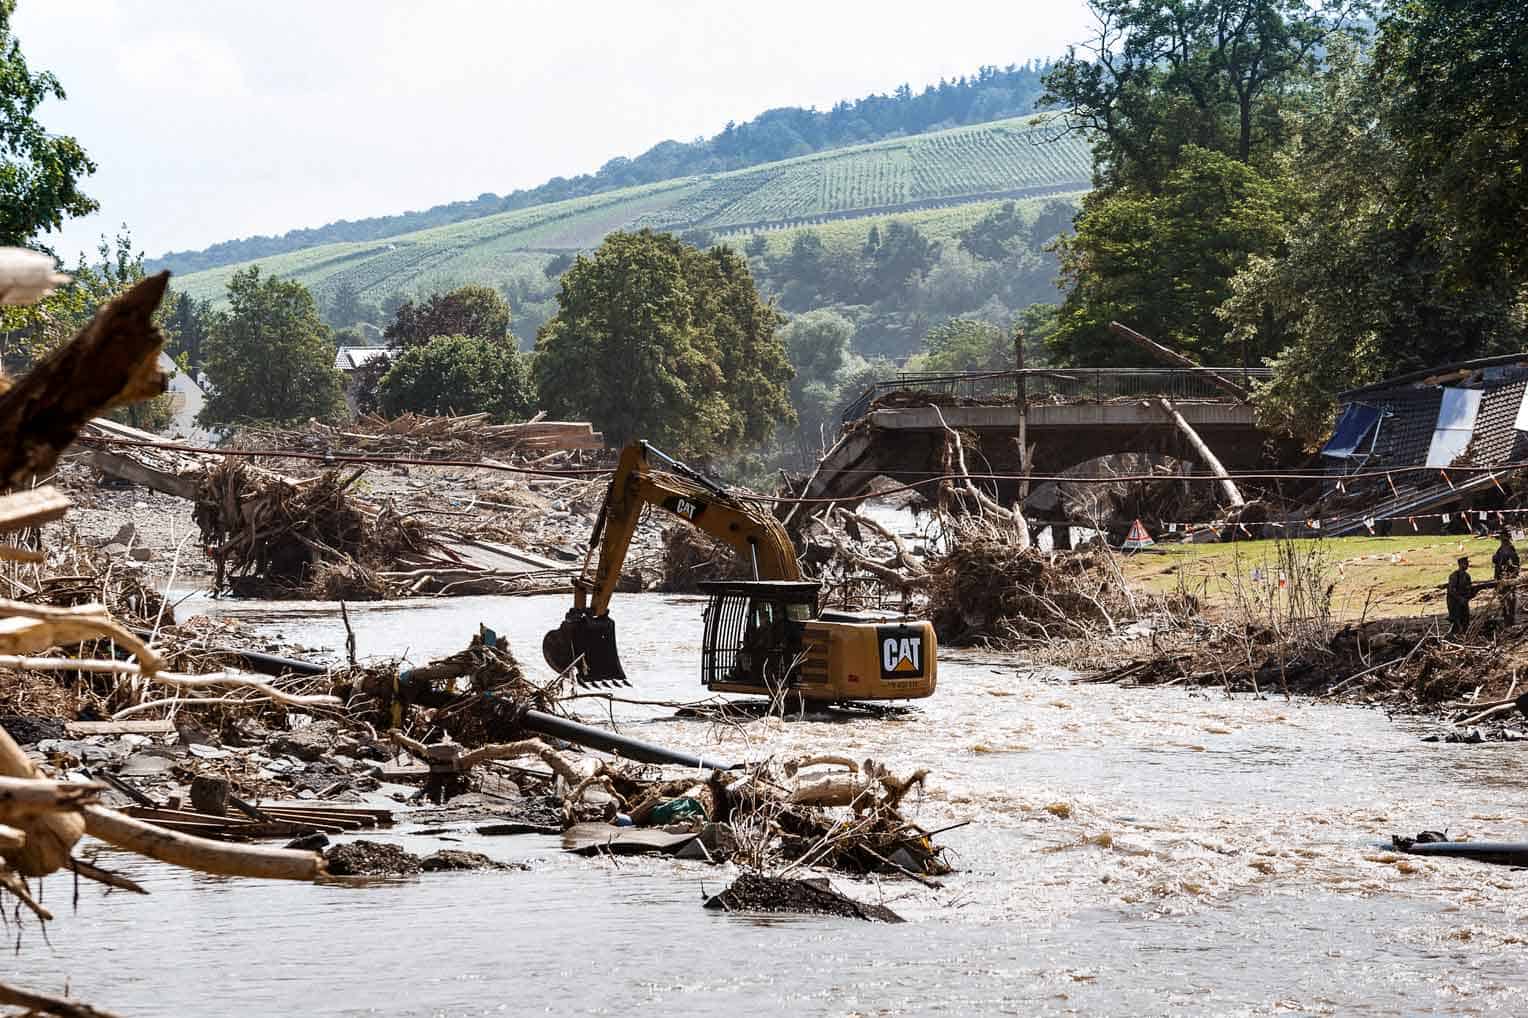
{"points": [[1171, 356], [114, 360], [1210, 460]]}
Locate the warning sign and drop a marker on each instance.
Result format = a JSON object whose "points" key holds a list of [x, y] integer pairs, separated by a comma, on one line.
{"points": [[1138, 538]]}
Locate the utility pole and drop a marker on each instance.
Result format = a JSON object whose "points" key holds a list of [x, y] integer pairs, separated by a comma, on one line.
{"points": [[1021, 400]]}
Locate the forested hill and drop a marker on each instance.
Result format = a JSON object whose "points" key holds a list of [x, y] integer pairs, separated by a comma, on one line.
{"points": [[784, 133]]}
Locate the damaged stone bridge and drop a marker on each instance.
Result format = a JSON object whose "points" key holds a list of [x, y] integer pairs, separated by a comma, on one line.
{"points": [[1074, 419]]}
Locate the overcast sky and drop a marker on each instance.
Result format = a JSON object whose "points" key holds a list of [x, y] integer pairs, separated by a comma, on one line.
{"points": [[215, 119]]}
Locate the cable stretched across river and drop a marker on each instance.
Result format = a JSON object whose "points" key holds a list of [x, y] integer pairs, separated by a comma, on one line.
{"points": [[931, 478]]}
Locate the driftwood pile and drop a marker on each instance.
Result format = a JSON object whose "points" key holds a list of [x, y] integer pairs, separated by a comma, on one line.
{"points": [[985, 590], [691, 556], [275, 536], [444, 437], [472, 697], [113, 361]]}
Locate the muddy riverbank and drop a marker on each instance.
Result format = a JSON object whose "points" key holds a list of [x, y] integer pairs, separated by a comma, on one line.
{"points": [[1131, 851]]}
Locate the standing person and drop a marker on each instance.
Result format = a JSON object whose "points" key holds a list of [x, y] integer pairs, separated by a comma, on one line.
{"points": [[1460, 589], [1505, 568]]}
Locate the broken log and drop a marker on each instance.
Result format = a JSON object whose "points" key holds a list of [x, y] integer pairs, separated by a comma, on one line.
{"points": [[1172, 356], [112, 361], [201, 854], [31, 508], [26, 277], [30, 797], [42, 1003], [1210, 460]]}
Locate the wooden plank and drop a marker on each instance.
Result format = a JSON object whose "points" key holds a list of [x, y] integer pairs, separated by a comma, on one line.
{"points": [[304, 804], [119, 727], [32, 508], [130, 469]]}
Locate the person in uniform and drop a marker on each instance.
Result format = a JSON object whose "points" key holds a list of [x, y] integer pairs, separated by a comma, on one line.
{"points": [[1460, 589], [1505, 568]]}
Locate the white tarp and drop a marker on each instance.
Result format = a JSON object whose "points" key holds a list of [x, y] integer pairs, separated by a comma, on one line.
{"points": [[1455, 427]]}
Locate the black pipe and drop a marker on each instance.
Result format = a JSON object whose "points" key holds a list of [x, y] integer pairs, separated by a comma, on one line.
{"points": [[1504, 853], [610, 742], [255, 661]]}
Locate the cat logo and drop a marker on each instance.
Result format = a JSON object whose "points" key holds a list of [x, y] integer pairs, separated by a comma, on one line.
{"points": [[901, 652], [689, 508]]}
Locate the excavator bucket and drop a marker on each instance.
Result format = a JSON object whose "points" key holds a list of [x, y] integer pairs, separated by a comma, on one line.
{"points": [[586, 643]]}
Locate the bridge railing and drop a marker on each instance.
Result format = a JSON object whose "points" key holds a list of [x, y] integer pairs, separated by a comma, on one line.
{"points": [[1072, 385]]}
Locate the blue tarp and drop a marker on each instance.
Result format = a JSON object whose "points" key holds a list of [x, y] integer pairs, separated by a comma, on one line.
{"points": [[1353, 427]]}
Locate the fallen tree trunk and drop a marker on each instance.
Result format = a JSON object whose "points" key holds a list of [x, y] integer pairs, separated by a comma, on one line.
{"points": [[50, 837], [1210, 460], [1151, 346], [201, 854], [30, 797], [42, 1003]]}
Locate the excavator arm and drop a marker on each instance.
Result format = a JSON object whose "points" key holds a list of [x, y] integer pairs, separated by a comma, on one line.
{"points": [[645, 476]]}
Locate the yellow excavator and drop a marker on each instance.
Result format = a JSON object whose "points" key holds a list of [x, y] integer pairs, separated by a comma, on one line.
{"points": [[762, 636]]}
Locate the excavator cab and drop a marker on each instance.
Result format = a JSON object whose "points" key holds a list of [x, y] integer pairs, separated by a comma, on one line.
{"points": [[755, 633]]}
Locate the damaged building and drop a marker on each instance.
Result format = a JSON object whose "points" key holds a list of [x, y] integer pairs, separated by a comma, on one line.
{"points": [[1429, 444]]}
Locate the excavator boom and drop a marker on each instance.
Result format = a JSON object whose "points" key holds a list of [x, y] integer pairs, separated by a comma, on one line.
{"points": [[645, 476]]}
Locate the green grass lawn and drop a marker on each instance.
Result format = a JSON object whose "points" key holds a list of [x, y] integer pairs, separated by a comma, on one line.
{"points": [[1371, 576]]}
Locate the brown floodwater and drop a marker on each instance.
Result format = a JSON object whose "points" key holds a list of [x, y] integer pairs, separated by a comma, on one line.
{"points": [[1132, 852]]}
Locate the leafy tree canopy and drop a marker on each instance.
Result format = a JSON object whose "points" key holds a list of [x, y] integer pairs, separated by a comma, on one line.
{"points": [[346, 307], [477, 311], [1368, 285], [1223, 75], [40, 172], [459, 375], [1162, 263], [269, 357], [1452, 80], [965, 344], [654, 339]]}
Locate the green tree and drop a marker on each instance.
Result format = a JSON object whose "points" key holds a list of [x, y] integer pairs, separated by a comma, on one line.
{"points": [[459, 375], [653, 339], [1162, 263], [187, 324], [1365, 288], [1161, 75], [903, 257], [818, 344], [964, 344], [346, 307], [269, 357], [996, 236], [1452, 81], [479, 311], [40, 172]]}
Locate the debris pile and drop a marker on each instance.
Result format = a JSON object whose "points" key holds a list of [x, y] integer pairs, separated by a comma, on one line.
{"points": [[269, 534], [444, 437], [691, 557]]}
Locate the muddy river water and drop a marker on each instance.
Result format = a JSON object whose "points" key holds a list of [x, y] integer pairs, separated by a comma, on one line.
{"points": [[1145, 852]]}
